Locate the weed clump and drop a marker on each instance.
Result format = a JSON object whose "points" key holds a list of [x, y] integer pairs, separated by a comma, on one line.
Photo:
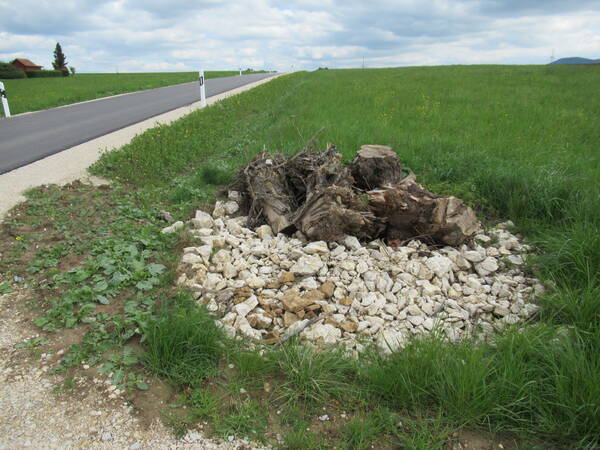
{"points": [[183, 344]]}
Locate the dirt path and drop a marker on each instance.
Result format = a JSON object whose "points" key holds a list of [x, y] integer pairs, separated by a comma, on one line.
{"points": [[40, 410]]}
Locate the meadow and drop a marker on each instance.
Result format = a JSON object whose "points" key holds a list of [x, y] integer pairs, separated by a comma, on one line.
{"points": [[33, 94], [516, 142]]}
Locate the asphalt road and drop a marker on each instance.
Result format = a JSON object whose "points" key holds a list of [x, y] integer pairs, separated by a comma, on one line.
{"points": [[29, 137]]}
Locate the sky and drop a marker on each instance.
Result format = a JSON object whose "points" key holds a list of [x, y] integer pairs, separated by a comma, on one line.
{"points": [[188, 35]]}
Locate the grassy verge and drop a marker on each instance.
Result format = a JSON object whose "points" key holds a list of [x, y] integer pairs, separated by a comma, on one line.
{"points": [[516, 142], [42, 93]]}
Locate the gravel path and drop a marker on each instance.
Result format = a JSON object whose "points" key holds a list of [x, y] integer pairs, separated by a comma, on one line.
{"points": [[36, 413]]}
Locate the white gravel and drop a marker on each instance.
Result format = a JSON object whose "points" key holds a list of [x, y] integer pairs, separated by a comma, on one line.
{"points": [[33, 416]]}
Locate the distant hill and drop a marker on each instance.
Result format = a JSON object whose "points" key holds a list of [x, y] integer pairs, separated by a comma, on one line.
{"points": [[576, 60]]}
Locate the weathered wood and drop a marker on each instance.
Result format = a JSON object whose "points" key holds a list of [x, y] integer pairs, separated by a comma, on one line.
{"points": [[376, 166], [314, 192], [268, 190], [412, 211], [335, 212]]}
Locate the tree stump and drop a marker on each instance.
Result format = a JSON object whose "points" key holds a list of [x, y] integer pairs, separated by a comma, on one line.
{"points": [[314, 192], [412, 212], [376, 166], [336, 212], [266, 186]]}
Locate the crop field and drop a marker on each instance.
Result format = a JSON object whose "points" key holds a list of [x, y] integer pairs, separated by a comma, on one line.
{"points": [[34, 94], [515, 142]]}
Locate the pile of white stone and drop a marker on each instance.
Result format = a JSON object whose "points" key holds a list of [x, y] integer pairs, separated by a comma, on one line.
{"points": [[269, 288]]}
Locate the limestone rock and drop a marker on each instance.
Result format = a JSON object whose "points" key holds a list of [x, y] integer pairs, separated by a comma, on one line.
{"points": [[219, 210], [487, 266], [264, 231], [327, 334], [328, 289], [172, 228], [243, 308], [307, 265], [202, 220], [390, 340], [231, 207], [317, 247], [352, 243], [292, 301], [439, 265]]}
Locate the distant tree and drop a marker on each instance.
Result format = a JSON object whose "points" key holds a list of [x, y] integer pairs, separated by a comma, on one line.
{"points": [[60, 61], [72, 69]]}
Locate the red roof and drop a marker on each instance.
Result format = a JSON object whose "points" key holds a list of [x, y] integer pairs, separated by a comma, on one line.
{"points": [[26, 62]]}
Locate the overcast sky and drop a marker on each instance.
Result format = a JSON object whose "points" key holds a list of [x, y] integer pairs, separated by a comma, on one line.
{"points": [[181, 35]]}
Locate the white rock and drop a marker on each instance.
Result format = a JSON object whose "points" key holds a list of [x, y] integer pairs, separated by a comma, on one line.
{"points": [[428, 323], [414, 310], [473, 256], [415, 320], [487, 266], [308, 284], [348, 265], [243, 308], [439, 265], [203, 220], [213, 280], [501, 311], [515, 259], [255, 282], [191, 258], [307, 265], [318, 247], [212, 305], [219, 210], [221, 257], [231, 207], [245, 328], [234, 227], [368, 299], [361, 267], [327, 333], [229, 271], [483, 238], [172, 228], [352, 243], [390, 340], [203, 232], [264, 232]]}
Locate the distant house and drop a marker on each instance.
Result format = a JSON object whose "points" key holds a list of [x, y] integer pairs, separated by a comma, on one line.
{"points": [[25, 64]]}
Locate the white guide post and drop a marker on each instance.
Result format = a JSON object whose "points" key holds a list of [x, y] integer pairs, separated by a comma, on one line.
{"points": [[240, 72], [202, 90], [4, 100]]}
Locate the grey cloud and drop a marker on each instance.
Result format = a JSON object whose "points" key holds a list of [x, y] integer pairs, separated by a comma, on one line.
{"points": [[538, 7], [46, 17], [180, 33]]}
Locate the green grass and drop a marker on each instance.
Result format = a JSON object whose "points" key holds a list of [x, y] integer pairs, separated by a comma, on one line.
{"points": [[183, 343], [312, 376], [41, 93], [519, 143]]}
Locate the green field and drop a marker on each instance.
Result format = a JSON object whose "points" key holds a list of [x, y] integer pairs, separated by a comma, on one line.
{"points": [[41, 93], [516, 142]]}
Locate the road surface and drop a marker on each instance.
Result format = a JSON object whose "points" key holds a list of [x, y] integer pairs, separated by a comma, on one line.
{"points": [[29, 137]]}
